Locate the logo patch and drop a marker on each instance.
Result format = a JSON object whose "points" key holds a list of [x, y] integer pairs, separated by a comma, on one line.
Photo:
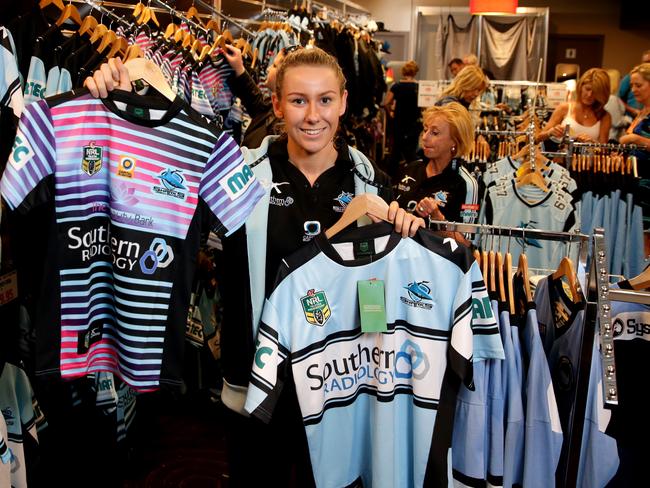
{"points": [[419, 293], [91, 161], [21, 152], [317, 310], [344, 198], [126, 166], [236, 182], [442, 197], [172, 181]]}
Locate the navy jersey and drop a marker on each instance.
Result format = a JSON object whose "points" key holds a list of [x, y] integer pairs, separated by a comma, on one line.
{"points": [[135, 181], [377, 407]]}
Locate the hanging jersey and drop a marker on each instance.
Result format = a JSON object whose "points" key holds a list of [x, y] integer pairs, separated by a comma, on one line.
{"points": [[52, 81], [65, 82], [377, 407], [22, 417], [200, 101], [135, 180], [10, 87], [543, 432], [507, 167], [5, 455], [455, 190], [531, 208], [36, 81]]}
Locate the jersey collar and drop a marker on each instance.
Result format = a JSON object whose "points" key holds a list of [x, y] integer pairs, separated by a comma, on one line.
{"points": [[152, 102]]}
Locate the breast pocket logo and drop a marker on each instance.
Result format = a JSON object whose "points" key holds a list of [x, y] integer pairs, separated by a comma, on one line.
{"points": [[91, 161], [126, 166]]}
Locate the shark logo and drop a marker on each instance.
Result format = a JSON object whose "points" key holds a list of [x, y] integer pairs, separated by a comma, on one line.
{"points": [[419, 294], [441, 197], [526, 240], [344, 198]]}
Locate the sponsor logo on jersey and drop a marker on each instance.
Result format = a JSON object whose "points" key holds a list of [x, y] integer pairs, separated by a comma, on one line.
{"points": [[526, 240], [91, 160], [358, 364], [469, 210], [632, 325], [236, 182], [260, 354], [312, 228], [126, 255], [8, 414], [419, 294], [278, 202], [123, 196], [442, 197], [276, 186], [172, 181], [481, 309], [21, 152], [316, 308], [126, 166], [344, 198]]}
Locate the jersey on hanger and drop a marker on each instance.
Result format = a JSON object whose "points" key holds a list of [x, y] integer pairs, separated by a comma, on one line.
{"points": [[377, 407], [135, 180]]}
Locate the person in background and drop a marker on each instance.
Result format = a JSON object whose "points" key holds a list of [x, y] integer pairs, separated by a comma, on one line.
{"points": [[470, 59], [310, 176], [587, 118], [439, 187], [639, 133], [455, 65], [263, 120], [615, 106], [468, 84], [407, 123], [632, 105]]}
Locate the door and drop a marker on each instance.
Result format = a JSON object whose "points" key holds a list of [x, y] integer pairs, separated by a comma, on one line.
{"points": [[584, 50]]}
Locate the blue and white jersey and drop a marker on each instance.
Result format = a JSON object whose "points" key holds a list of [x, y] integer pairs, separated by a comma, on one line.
{"points": [[10, 82], [530, 207], [378, 408], [36, 82], [543, 434]]}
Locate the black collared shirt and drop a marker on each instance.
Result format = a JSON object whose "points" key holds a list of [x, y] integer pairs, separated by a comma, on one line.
{"points": [[298, 211]]}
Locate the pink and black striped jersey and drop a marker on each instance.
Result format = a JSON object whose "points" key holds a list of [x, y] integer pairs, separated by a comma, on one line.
{"points": [[135, 181]]}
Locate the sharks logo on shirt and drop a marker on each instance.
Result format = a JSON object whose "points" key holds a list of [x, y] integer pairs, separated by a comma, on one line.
{"points": [[442, 197], [344, 198]]}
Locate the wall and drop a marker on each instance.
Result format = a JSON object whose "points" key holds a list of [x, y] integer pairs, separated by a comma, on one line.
{"points": [[623, 48]]}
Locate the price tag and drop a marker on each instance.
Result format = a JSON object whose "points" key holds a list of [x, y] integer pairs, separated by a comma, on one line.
{"points": [[8, 287], [372, 305]]}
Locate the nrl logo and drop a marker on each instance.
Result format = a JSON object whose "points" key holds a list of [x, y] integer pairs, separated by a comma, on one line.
{"points": [[317, 310], [91, 162]]}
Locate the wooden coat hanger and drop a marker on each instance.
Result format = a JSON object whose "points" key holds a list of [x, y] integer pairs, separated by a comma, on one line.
{"points": [[193, 13], [492, 284], [133, 52], [170, 30], [364, 204], [45, 3], [500, 277], [107, 40], [522, 270], [641, 281], [144, 69], [69, 12], [89, 24], [507, 271], [98, 33], [566, 269], [213, 25]]}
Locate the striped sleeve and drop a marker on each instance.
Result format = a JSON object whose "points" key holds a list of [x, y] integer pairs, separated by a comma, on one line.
{"points": [[469, 209], [485, 331], [268, 369], [32, 157], [10, 90], [229, 186]]}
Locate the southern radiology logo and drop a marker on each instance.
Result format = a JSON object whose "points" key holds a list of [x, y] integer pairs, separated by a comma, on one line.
{"points": [[172, 184], [363, 364], [316, 308], [419, 295]]}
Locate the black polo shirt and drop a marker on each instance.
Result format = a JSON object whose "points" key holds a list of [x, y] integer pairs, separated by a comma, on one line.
{"points": [[455, 190], [298, 211]]}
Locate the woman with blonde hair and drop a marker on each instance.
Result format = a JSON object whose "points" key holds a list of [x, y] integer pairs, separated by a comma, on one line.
{"points": [[587, 118], [439, 187], [468, 84]]}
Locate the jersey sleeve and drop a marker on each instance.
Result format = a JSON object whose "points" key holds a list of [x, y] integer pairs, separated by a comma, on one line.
{"points": [[485, 330], [229, 186], [270, 365], [31, 159], [10, 89]]}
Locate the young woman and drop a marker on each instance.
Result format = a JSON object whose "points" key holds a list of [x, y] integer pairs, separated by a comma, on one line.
{"points": [[587, 117], [407, 123], [309, 176], [439, 187]]}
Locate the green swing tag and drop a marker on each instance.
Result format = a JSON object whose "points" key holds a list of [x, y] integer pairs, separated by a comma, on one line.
{"points": [[372, 305]]}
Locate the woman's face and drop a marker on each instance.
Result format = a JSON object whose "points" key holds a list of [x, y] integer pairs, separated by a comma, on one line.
{"points": [[310, 105], [587, 94], [641, 89], [470, 95], [436, 140]]}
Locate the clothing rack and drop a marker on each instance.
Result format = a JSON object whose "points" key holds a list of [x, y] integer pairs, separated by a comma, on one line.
{"points": [[507, 133], [225, 17], [101, 7], [596, 314]]}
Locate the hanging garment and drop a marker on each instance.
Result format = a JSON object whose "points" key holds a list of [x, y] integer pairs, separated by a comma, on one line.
{"points": [[377, 408], [459, 40], [135, 180]]}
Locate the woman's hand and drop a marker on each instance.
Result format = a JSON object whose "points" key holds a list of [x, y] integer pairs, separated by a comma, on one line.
{"points": [[109, 76], [584, 138], [405, 223], [428, 207], [235, 59]]}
